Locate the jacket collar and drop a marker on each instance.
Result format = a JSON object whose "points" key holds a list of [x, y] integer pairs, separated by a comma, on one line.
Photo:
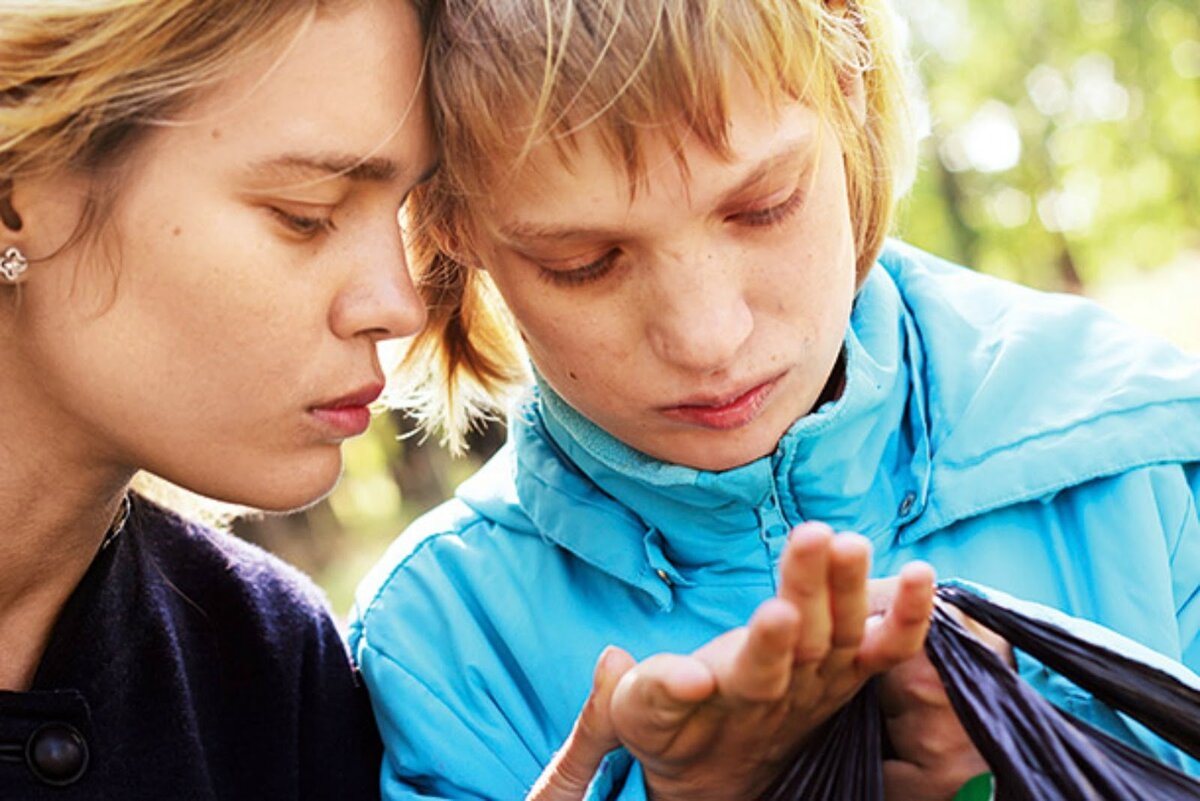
{"points": [[868, 446]]}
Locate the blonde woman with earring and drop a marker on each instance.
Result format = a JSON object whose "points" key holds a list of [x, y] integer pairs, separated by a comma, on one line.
{"points": [[199, 253]]}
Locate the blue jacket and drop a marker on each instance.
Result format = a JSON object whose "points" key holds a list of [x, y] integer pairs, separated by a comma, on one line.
{"points": [[1021, 440]]}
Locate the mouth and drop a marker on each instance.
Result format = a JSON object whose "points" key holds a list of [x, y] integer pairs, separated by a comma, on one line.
{"points": [[724, 412], [349, 415]]}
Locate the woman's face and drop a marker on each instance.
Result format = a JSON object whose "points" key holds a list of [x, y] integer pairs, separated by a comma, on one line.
{"points": [[258, 263], [699, 320]]}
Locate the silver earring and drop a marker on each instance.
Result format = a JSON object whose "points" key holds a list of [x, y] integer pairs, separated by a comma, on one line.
{"points": [[13, 264]]}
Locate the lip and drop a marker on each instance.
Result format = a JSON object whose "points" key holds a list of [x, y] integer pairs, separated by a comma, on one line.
{"points": [[349, 415], [724, 412]]}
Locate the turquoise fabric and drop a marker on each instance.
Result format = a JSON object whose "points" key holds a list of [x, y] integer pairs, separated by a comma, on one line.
{"points": [[1024, 441]]}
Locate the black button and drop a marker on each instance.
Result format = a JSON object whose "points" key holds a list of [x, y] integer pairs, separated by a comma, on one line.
{"points": [[57, 754], [906, 504]]}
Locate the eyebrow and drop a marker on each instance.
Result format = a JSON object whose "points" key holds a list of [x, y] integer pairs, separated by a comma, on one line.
{"points": [[790, 151], [293, 165], [764, 169]]}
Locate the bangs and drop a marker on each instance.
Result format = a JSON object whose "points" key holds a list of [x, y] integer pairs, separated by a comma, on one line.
{"points": [[510, 77], [621, 70]]}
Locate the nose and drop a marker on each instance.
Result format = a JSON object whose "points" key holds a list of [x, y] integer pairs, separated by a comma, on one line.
{"points": [[699, 317], [378, 300]]}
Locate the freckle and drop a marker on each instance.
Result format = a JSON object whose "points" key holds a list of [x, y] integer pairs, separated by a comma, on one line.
{"points": [[572, 374], [216, 133], [176, 231]]}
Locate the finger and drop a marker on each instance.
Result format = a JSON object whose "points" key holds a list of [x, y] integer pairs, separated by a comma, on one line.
{"points": [[907, 781], [911, 685], [937, 782], [901, 632], [880, 593], [932, 739], [761, 668], [804, 582], [849, 565], [571, 770], [656, 697], [982, 633]]}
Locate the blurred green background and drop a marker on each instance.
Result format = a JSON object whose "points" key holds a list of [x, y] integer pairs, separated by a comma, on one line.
{"points": [[1063, 152]]}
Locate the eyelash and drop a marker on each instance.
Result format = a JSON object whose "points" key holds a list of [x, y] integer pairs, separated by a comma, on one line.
{"points": [[305, 227], [582, 275], [592, 271], [774, 214]]}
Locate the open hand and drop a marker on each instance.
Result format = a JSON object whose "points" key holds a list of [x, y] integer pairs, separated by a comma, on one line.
{"points": [[723, 722]]}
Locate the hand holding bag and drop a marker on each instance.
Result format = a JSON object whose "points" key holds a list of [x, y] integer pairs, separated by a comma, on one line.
{"points": [[1036, 751]]}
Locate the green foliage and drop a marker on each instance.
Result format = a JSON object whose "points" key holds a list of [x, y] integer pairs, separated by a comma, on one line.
{"points": [[1064, 144]]}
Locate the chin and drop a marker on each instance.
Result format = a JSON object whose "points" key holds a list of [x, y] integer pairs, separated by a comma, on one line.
{"points": [[714, 458], [281, 485], [282, 503], [294, 492]]}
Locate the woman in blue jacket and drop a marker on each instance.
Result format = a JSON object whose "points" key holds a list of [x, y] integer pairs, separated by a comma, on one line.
{"points": [[684, 207]]}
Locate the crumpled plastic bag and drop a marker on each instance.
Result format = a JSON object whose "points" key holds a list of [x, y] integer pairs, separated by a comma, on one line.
{"points": [[1036, 752]]}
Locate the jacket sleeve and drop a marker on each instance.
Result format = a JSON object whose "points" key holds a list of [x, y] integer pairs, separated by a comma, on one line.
{"points": [[1181, 518], [430, 750], [1185, 571], [1182, 524]]}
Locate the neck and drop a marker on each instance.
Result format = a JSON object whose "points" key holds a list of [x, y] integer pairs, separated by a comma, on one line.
{"points": [[57, 500], [836, 384]]}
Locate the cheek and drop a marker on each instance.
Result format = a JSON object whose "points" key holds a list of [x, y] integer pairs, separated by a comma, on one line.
{"points": [[220, 282], [561, 333], [557, 349], [581, 358]]}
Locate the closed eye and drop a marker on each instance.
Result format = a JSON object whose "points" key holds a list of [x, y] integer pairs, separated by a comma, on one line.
{"points": [[772, 215], [581, 275], [303, 226]]}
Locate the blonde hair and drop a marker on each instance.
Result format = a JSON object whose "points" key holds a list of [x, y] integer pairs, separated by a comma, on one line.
{"points": [[81, 81], [511, 75]]}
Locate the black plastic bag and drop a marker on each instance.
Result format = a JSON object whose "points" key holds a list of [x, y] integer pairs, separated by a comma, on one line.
{"points": [[1035, 751], [846, 759]]}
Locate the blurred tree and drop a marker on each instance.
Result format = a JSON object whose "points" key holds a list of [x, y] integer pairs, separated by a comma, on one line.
{"points": [[1063, 142], [1064, 146]]}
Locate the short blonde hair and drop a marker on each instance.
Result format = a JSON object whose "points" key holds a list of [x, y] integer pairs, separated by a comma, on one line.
{"points": [[510, 75], [81, 81]]}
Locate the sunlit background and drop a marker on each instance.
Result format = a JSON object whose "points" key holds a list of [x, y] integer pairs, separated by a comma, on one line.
{"points": [[1063, 152]]}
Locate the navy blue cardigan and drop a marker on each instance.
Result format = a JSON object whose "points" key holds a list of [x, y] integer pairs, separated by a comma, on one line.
{"points": [[189, 665]]}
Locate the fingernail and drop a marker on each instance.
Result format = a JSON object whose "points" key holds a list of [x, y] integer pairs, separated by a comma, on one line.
{"points": [[605, 663], [810, 527]]}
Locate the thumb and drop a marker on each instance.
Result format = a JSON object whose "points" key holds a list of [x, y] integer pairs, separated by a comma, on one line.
{"points": [[568, 775]]}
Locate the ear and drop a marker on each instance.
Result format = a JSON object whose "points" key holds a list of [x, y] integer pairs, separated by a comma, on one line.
{"points": [[9, 217], [39, 215]]}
